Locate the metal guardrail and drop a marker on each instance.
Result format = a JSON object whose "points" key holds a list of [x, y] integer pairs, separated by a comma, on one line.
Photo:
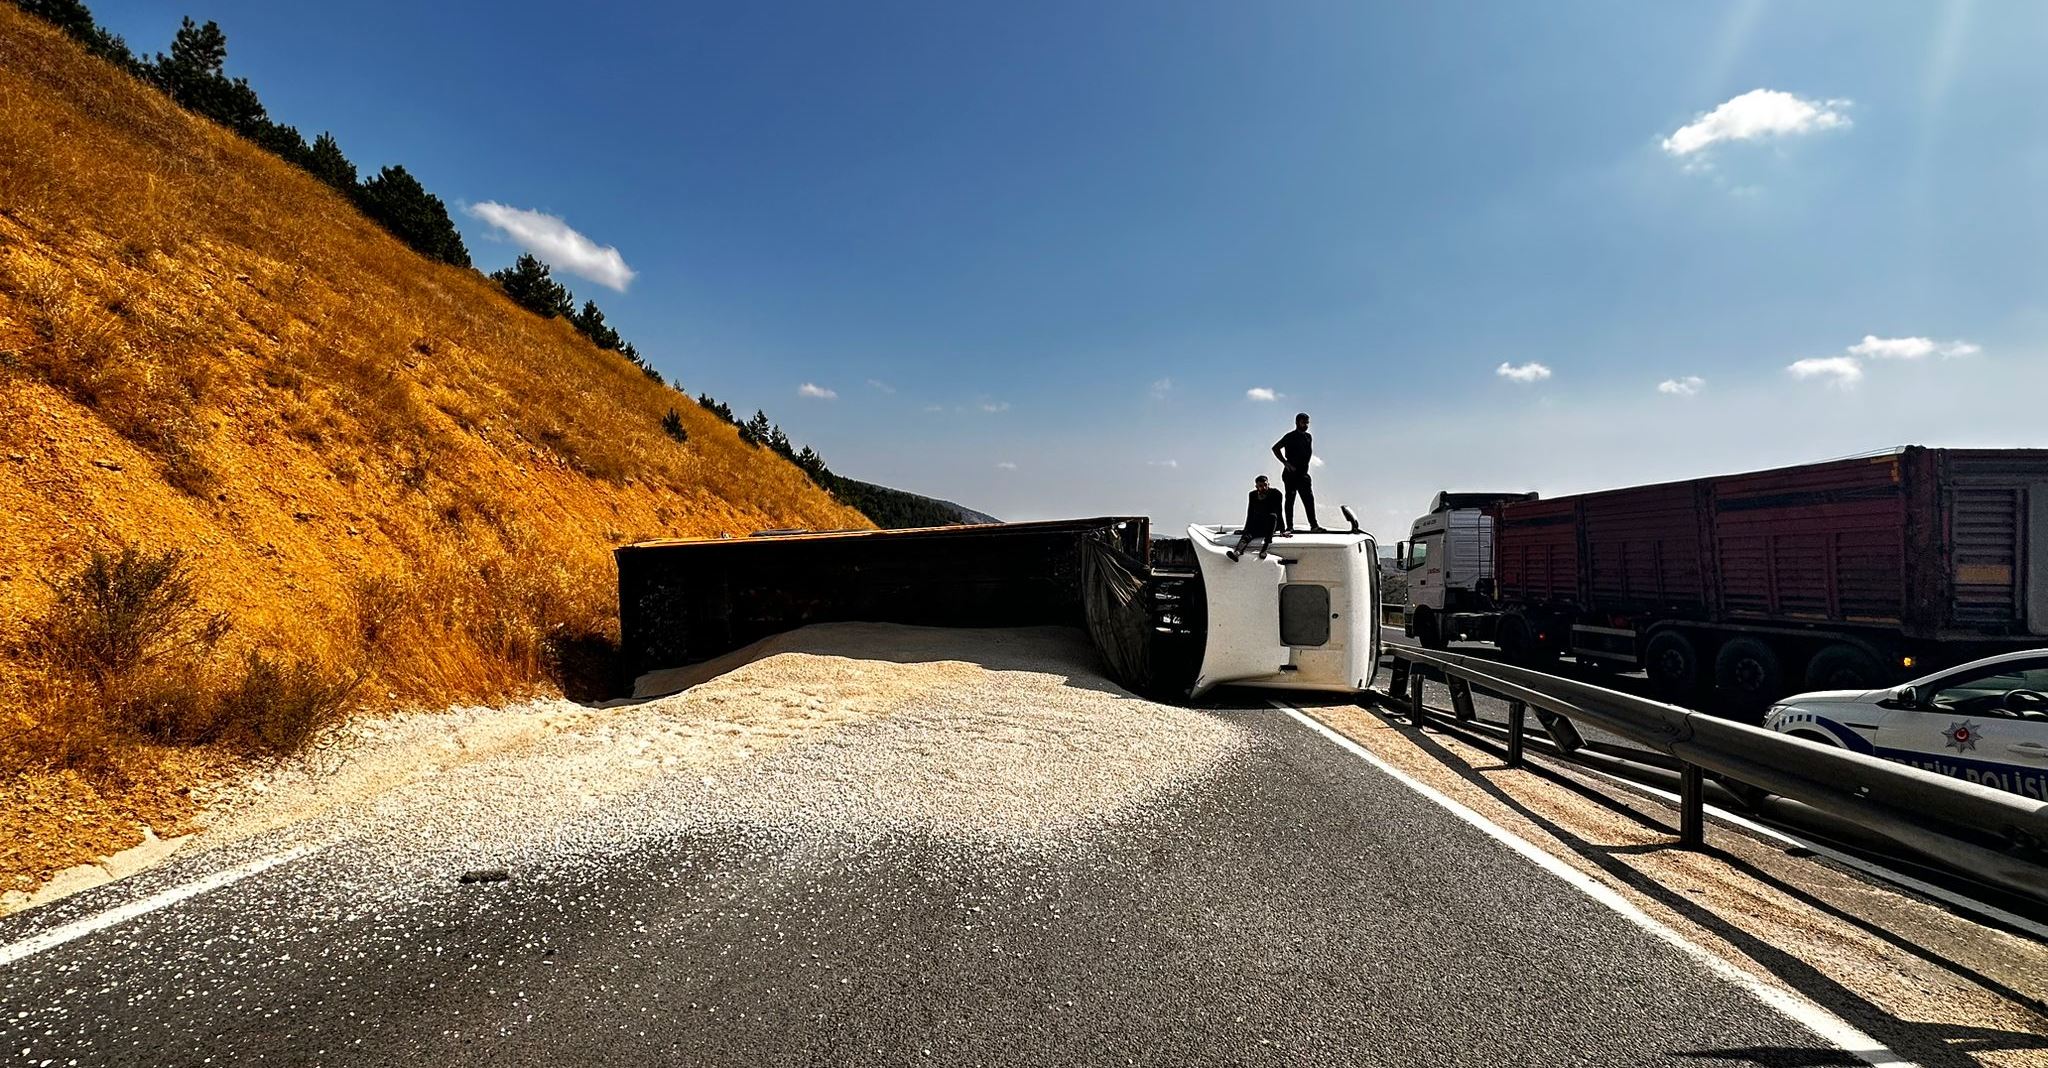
{"points": [[1998, 837]]}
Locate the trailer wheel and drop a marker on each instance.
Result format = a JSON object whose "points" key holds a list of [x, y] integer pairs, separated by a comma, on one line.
{"points": [[1843, 667], [1429, 629], [1747, 670], [1673, 664]]}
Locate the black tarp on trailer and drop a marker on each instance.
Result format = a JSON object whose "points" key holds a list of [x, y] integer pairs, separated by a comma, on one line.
{"points": [[681, 602]]}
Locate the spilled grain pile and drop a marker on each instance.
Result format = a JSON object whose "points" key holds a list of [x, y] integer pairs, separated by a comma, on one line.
{"points": [[978, 741], [380, 474]]}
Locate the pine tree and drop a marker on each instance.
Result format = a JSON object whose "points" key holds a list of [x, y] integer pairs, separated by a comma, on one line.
{"points": [[672, 425], [648, 370], [590, 323], [528, 283], [284, 142], [327, 163], [756, 430], [778, 442], [397, 200], [193, 75]]}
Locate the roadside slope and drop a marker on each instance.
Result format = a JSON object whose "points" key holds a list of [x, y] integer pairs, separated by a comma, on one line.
{"points": [[374, 463]]}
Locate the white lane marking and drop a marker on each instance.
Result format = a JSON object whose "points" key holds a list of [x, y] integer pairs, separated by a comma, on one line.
{"points": [[57, 936], [1876, 871], [1814, 1018]]}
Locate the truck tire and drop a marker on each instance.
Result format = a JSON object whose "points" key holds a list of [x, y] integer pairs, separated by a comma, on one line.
{"points": [[1844, 667], [1429, 629], [1673, 664], [1747, 672], [1518, 642]]}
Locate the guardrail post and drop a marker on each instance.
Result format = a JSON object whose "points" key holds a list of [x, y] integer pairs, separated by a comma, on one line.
{"points": [[1518, 717], [1461, 697], [1692, 817], [1560, 730], [1416, 712]]}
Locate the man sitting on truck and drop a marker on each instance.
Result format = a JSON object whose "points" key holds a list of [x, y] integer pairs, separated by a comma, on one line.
{"points": [[1295, 450], [1261, 519]]}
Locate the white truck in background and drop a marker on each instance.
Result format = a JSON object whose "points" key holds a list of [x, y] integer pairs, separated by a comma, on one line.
{"points": [[1448, 563]]}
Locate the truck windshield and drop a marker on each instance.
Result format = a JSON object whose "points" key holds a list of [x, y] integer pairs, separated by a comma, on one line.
{"points": [[1418, 554]]}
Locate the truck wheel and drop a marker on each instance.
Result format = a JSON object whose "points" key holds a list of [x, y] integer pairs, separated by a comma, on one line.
{"points": [[1673, 664], [1843, 667], [1429, 629], [1518, 641], [1747, 671]]}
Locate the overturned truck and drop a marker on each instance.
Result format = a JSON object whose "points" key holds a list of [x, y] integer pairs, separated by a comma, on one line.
{"points": [[1172, 617]]}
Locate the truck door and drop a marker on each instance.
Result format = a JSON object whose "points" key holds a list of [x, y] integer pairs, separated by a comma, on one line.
{"points": [[1425, 572]]}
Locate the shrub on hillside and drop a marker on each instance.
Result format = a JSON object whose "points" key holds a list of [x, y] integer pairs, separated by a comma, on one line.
{"points": [[672, 425], [279, 705], [118, 614], [129, 641]]}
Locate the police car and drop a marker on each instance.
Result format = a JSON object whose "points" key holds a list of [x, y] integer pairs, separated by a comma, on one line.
{"points": [[1985, 721]]}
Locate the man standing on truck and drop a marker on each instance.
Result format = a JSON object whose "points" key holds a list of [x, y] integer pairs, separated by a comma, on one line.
{"points": [[1295, 450], [1261, 519]]}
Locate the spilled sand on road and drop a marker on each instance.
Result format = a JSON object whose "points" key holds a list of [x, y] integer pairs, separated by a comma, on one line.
{"points": [[837, 733]]}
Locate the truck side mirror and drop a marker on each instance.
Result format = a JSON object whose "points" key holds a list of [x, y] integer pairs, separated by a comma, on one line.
{"points": [[1401, 553]]}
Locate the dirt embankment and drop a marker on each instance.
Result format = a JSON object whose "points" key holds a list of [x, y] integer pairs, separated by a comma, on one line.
{"points": [[379, 468]]}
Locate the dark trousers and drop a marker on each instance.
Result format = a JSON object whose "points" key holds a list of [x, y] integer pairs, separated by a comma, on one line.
{"points": [[1298, 483], [1245, 538]]}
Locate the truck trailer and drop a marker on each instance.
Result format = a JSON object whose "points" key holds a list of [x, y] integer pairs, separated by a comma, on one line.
{"points": [[1172, 618], [1845, 574]]}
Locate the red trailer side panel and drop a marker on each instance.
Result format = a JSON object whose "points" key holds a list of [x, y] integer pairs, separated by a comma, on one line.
{"points": [[1644, 551], [1822, 542], [1536, 550]]}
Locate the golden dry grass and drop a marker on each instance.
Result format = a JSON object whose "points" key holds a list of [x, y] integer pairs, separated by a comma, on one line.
{"points": [[376, 462]]}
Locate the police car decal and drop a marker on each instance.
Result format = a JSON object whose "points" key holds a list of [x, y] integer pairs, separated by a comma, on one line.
{"points": [[1961, 736]]}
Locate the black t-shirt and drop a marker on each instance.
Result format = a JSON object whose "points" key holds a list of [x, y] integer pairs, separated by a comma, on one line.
{"points": [[1262, 512], [1295, 446]]}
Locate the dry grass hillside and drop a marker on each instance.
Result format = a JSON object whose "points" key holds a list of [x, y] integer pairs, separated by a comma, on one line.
{"points": [[388, 483]]}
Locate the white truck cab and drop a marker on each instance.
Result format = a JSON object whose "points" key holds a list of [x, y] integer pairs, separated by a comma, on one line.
{"points": [[1448, 562], [1305, 617]]}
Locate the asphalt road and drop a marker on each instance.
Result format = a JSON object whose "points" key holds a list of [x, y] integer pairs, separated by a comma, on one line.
{"points": [[1300, 907]]}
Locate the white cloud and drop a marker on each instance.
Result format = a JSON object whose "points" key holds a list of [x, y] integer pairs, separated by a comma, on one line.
{"points": [[1757, 113], [1261, 393], [1007, 465], [557, 243], [1528, 372], [1161, 388], [1682, 387], [812, 389], [935, 407], [995, 406], [1911, 348], [1162, 463], [1315, 462], [1841, 371], [881, 385]]}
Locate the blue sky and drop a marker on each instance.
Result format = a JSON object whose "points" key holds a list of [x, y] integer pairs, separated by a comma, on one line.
{"points": [[1040, 252]]}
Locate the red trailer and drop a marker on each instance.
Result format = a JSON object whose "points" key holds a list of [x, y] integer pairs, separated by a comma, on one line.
{"points": [[1836, 575]]}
